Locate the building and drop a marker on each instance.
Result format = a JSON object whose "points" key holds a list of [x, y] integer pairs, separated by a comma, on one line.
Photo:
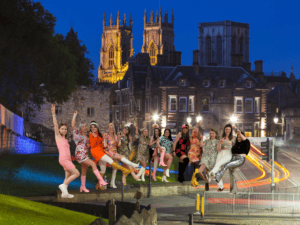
{"points": [[116, 48], [223, 43]]}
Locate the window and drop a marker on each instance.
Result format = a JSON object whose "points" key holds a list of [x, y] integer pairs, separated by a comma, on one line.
{"points": [[248, 126], [152, 54], [233, 40], [208, 50], [111, 56], [205, 104], [269, 108], [155, 105], [276, 110], [128, 83], [219, 50], [116, 115], [191, 104], [222, 83], [239, 105], [182, 104], [138, 105], [248, 105], [147, 104], [182, 82], [58, 110], [256, 105], [249, 84], [90, 111], [206, 83], [173, 103]]}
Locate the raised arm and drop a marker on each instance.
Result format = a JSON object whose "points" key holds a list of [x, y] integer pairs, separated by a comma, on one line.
{"points": [[73, 120], [238, 132], [56, 131], [152, 141]]}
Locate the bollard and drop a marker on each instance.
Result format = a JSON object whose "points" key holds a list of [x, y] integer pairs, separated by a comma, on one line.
{"points": [[197, 205], [112, 215], [191, 219], [202, 206]]}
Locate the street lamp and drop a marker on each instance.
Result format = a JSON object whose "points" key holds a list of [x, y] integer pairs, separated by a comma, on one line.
{"points": [[155, 117], [199, 118], [233, 120], [275, 119], [189, 120]]}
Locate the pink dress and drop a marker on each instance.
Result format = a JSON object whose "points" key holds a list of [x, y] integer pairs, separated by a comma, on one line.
{"points": [[64, 158], [81, 152]]}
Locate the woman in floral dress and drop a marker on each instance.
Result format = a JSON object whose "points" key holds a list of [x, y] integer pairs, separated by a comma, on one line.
{"points": [[111, 144], [143, 153], [81, 153]]}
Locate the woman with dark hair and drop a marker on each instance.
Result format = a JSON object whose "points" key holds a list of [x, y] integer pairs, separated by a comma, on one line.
{"points": [[64, 158], [224, 155], [97, 151], [111, 145], [81, 153], [166, 145], [125, 149], [182, 142], [239, 152], [142, 154], [154, 143]]}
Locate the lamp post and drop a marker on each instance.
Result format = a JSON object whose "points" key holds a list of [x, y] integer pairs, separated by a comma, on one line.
{"points": [[189, 120], [233, 120], [155, 117], [199, 118], [276, 121]]}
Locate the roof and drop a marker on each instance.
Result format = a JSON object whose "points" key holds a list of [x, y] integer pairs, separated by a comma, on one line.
{"points": [[272, 93], [295, 105], [276, 79]]}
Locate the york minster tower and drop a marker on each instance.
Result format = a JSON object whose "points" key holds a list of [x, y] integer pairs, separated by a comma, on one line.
{"points": [[116, 48]]}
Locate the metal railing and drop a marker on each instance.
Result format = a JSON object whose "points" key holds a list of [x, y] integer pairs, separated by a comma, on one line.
{"points": [[291, 189], [252, 203]]}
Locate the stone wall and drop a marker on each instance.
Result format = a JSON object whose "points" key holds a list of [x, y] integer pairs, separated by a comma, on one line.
{"points": [[94, 98]]}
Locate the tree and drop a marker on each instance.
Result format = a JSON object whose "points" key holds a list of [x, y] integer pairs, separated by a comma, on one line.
{"points": [[34, 64]]}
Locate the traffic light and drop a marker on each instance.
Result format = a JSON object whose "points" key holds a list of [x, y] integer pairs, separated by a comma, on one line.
{"points": [[276, 149], [265, 148]]}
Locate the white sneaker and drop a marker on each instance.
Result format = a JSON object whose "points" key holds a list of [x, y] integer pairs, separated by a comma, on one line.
{"points": [[164, 179], [168, 173], [63, 189]]}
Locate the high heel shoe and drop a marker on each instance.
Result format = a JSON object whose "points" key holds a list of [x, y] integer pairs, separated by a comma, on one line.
{"points": [[164, 179], [123, 169], [83, 189]]}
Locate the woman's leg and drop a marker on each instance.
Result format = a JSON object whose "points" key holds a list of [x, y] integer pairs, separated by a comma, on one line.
{"points": [[90, 163], [235, 162], [102, 165], [84, 168], [113, 178], [220, 162], [162, 156], [155, 168], [74, 173], [144, 164]]}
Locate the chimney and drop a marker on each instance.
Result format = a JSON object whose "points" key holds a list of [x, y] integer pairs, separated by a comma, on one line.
{"points": [[174, 58], [195, 57], [258, 66], [247, 66], [162, 60]]}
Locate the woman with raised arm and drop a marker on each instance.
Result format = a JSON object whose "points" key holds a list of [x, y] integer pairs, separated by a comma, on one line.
{"points": [[154, 143], [209, 155], [97, 151], [166, 145], [182, 142], [224, 153], [125, 149], [142, 154], [64, 159], [111, 144], [239, 152], [195, 152], [81, 153]]}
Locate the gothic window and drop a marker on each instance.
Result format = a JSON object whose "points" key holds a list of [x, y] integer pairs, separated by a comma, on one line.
{"points": [[111, 56], [152, 54], [208, 50], [241, 44], [233, 46], [219, 50]]}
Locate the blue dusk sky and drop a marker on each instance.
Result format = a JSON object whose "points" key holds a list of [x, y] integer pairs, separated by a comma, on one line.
{"points": [[274, 25]]}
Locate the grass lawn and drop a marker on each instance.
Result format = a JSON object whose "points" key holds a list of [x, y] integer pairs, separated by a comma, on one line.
{"points": [[40, 175], [14, 210]]}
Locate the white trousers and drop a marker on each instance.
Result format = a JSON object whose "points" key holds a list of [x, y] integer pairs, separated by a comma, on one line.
{"points": [[224, 156]]}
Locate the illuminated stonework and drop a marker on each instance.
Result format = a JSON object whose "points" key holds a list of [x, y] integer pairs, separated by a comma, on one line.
{"points": [[116, 48]]}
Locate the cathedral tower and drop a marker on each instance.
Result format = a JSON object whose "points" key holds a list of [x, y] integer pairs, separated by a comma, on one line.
{"points": [[116, 48], [158, 35]]}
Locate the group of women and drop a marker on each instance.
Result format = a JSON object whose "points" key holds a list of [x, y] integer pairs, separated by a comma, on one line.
{"points": [[113, 148]]}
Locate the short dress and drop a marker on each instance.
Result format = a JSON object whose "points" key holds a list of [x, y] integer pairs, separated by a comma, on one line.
{"points": [[181, 147], [195, 151], [167, 143], [112, 146], [81, 152], [142, 154], [64, 157], [97, 150], [210, 153], [123, 149]]}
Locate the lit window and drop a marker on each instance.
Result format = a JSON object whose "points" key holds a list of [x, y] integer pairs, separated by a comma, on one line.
{"points": [[182, 82], [152, 54], [248, 105], [172, 103], [191, 104], [239, 105], [276, 110], [182, 104], [111, 56], [256, 105], [205, 104]]}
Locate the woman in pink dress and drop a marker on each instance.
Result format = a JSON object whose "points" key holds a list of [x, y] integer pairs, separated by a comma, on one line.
{"points": [[81, 153], [64, 159]]}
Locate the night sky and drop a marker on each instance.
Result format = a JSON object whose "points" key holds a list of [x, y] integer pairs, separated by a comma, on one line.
{"points": [[274, 25]]}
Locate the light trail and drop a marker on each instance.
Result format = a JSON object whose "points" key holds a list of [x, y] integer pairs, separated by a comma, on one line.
{"points": [[254, 158]]}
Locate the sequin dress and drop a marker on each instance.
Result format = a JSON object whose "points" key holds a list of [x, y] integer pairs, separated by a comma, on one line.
{"points": [[81, 141], [123, 149], [143, 153], [210, 153]]}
